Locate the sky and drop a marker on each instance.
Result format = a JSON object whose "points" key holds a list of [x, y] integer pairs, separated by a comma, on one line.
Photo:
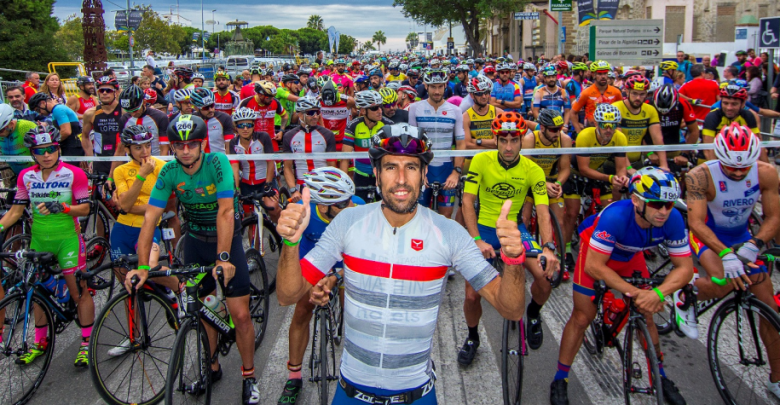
{"points": [[358, 19]]}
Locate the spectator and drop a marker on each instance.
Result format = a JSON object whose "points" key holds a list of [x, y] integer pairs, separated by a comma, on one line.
{"points": [[247, 77], [711, 73], [700, 91], [751, 54], [169, 70], [706, 61], [31, 84], [110, 73], [134, 80], [237, 85], [14, 96], [150, 62], [765, 58], [715, 61], [684, 66], [679, 79], [155, 82], [740, 63], [53, 86], [755, 84], [144, 83]]}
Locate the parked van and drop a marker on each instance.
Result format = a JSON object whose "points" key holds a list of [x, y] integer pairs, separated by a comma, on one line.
{"points": [[238, 63]]}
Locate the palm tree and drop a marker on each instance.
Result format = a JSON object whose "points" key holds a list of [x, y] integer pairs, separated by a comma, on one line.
{"points": [[412, 39], [315, 22], [368, 46], [380, 39]]}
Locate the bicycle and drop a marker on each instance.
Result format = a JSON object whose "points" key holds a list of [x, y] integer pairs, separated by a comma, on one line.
{"points": [[258, 232], [327, 334], [19, 327], [557, 240], [372, 193], [186, 382]]}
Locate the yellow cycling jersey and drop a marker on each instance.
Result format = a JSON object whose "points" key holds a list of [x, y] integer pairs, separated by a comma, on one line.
{"points": [[493, 181], [587, 139], [548, 163], [124, 177], [635, 126], [399, 78], [716, 120], [481, 125]]}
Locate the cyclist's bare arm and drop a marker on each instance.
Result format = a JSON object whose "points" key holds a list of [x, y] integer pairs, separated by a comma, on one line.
{"points": [[86, 144], [344, 163], [676, 279], [73, 104], [699, 190], [770, 202], [127, 199], [236, 174], [583, 164], [470, 214], [459, 145], [13, 215], [693, 133], [144, 249], [709, 154], [564, 163], [764, 112]]}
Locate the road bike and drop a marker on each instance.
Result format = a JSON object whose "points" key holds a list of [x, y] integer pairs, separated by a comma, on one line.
{"points": [[327, 334]]}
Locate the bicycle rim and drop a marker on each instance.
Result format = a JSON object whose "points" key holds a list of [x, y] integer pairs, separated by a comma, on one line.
{"points": [[325, 343], [20, 382], [738, 357], [512, 362], [98, 251], [15, 244], [189, 380], [259, 296], [560, 251], [137, 376], [641, 378], [314, 358], [591, 339], [337, 311]]}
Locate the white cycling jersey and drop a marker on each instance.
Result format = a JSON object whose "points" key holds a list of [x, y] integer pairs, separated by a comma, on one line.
{"points": [[729, 212], [444, 126], [394, 279]]}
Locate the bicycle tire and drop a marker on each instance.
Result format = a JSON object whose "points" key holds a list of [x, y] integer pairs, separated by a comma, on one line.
{"points": [[15, 317], [560, 251], [16, 243], [637, 334], [337, 310], [324, 369], [178, 251], [178, 387], [718, 355], [100, 248], [664, 320], [259, 305], [512, 362], [111, 328]]}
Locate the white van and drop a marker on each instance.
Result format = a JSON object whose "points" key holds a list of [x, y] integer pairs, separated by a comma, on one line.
{"points": [[238, 63]]}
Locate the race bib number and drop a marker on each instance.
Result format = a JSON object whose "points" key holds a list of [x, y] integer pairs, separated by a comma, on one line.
{"points": [[558, 121], [167, 234], [184, 126]]}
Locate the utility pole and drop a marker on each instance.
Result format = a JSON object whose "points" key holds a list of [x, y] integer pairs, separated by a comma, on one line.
{"points": [[130, 32], [202, 31], [560, 32]]}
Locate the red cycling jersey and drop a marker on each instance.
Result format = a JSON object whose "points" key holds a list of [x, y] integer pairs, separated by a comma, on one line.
{"points": [[265, 116], [227, 103], [335, 119]]}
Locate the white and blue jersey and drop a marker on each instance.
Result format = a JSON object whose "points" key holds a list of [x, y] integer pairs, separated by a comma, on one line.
{"points": [[729, 211], [443, 126], [317, 225]]}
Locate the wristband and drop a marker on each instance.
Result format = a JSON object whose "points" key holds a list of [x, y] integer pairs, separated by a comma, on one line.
{"points": [[476, 238], [513, 261], [650, 153], [660, 294], [611, 176], [65, 208], [109, 179], [138, 176], [2, 228], [558, 183], [719, 281], [724, 252], [147, 268], [288, 243], [629, 168]]}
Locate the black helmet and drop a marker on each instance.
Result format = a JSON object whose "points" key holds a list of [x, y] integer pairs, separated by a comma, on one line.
{"points": [[135, 135], [41, 135], [290, 77], [665, 98], [286, 67], [400, 139], [479, 61], [550, 118], [82, 80], [183, 73], [187, 127], [329, 94], [36, 99], [131, 98]]}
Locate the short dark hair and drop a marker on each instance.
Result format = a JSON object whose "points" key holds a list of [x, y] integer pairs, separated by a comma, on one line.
{"points": [[108, 72], [733, 70], [149, 67], [12, 88], [697, 70], [713, 71]]}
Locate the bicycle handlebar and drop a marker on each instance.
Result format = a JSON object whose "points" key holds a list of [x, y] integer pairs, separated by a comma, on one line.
{"points": [[37, 257]]}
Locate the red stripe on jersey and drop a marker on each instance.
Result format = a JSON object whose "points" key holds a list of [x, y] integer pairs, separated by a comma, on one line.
{"points": [[310, 272], [395, 271], [307, 144]]}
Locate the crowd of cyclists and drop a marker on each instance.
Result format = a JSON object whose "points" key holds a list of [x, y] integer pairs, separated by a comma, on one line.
{"points": [[405, 111]]}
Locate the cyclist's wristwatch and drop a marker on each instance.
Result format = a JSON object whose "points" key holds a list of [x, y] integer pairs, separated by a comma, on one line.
{"points": [[224, 257], [459, 170], [549, 245], [759, 243], [479, 142]]}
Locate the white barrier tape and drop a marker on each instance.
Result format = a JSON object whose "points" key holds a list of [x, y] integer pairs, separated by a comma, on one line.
{"points": [[437, 153]]}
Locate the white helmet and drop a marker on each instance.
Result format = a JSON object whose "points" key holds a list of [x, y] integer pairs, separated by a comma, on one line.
{"points": [[479, 83], [606, 112], [435, 76], [329, 185], [6, 115], [394, 85], [737, 146], [529, 66], [181, 95], [243, 114], [368, 98], [306, 103], [199, 76], [656, 83]]}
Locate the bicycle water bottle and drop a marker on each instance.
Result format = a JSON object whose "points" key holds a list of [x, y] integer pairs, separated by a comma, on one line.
{"points": [[49, 283], [607, 301], [615, 311], [62, 292], [215, 305]]}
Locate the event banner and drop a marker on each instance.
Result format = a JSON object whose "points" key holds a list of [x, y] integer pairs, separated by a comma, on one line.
{"points": [[607, 10], [586, 11]]}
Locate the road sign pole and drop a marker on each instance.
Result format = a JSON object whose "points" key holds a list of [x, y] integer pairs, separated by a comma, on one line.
{"points": [[560, 32], [130, 40]]}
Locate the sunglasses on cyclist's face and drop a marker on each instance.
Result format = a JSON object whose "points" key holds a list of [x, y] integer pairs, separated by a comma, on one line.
{"points": [[373, 108], [312, 113], [481, 93], [391, 105], [207, 107], [294, 81], [342, 204], [606, 125], [245, 125], [735, 171], [106, 91], [658, 204], [188, 144], [51, 149], [554, 130]]}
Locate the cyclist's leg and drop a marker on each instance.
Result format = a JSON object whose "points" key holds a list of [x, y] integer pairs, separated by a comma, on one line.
{"points": [[527, 208], [446, 198], [711, 264], [174, 223], [71, 255], [571, 203], [298, 341]]}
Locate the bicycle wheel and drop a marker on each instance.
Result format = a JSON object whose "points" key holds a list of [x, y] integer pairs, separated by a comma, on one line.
{"points": [[137, 373], [741, 331], [98, 250], [664, 320], [272, 242], [14, 244], [20, 381], [558, 240], [259, 296], [641, 378], [337, 312], [326, 361], [512, 352], [178, 251], [189, 377]]}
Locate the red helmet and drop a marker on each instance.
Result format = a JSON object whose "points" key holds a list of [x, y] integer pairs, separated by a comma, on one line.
{"points": [[737, 146], [489, 69], [150, 96], [637, 82], [509, 123], [734, 91], [562, 65]]}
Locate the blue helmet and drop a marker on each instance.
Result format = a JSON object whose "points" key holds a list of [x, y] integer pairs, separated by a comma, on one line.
{"points": [[651, 183]]}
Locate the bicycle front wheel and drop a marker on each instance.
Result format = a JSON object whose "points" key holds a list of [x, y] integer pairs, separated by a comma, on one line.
{"points": [[741, 343], [18, 378], [561, 248], [130, 348], [259, 295], [512, 352], [641, 378], [325, 361], [189, 369]]}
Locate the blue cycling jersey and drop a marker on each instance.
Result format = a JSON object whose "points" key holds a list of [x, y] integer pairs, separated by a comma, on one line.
{"points": [[529, 84], [317, 225], [748, 106]]}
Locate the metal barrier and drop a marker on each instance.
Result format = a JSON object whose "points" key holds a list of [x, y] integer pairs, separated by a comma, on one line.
{"points": [[69, 85]]}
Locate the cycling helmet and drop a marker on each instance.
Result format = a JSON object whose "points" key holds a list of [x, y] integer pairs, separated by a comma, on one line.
{"points": [[637, 82], [131, 98], [322, 80], [733, 91], [244, 114], [491, 69], [462, 68], [367, 98], [529, 66], [183, 73], [290, 77], [202, 97], [469, 61], [329, 94], [329, 185], [403, 67], [287, 67], [669, 65], [361, 79], [198, 76], [435, 76], [389, 95], [606, 112], [305, 104], [479, 61], [82, 80], [563, 65], [150, 96], [221, 74], [739, 82], [258, 71], [454, 60], [631, 72], [400, 139], [509, 123], [550, 71], [304, 71], [186, 127], [665, 98], [737, 146], [135, 135], [41, 135], [6, 115], [409, 91], [341, 61], [393, 66], [393, 85], [652, 183], [657, 83], [181, 95], [611, 75], [107, 81], [415, 65], [579, 66], [480, 83], [550, 118], [375, 72], [503, 66], [265, 88], [600, 66]]}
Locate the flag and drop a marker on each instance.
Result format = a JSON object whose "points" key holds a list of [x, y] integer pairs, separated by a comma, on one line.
{"points": [[195, 36]]}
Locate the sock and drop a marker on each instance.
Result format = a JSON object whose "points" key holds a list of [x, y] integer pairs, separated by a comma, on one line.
{"points": [[40, 334], [474, 333], [86, 332], [562, 373], [295, 371], [533, 309], [247, 373], [660, 362], [568, 247], [661, 370]]}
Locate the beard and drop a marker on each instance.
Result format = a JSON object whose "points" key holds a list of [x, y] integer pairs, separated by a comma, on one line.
{"points": [[398, 207], [223, 86]]}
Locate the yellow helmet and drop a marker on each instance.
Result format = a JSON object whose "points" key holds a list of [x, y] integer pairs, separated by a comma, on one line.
{"points": [[600, 66], [669, 65], [389, 95]]}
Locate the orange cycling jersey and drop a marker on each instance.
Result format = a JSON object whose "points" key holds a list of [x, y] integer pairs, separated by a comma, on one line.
{"points": [[592, 96]]}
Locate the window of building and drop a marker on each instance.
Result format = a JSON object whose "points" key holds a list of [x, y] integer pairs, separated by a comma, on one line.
{"points": [[674, 23]]}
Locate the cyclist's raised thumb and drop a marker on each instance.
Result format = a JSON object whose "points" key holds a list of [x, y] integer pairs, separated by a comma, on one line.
{"points": [[505, 210], [305, 196]]}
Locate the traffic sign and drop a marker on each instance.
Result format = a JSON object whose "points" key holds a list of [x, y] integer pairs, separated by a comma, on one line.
{"points": [[563, 34], [527, 16], [624, 42], [769, 32], [560, 5], [450, 45]]}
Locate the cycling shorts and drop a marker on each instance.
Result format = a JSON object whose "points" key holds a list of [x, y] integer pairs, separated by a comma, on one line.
{"points": [[69, 250], [574, 188], [205, 253], [439, 173], [124, 239], [729, 240], [341, 397], [583, 283], [489, 236]]}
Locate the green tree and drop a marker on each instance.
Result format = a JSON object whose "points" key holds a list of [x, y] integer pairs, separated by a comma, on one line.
{"points": [[379, 38], [412, 38], [184, 42], [156, 34], [283, 43], [27, 30], [367, 46], [315, 22], [347, 44], [467, 12], [70, 37], [311, 40]]}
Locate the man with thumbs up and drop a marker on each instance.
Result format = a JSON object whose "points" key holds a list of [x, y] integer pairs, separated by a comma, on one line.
{"points": [[396, 255]]}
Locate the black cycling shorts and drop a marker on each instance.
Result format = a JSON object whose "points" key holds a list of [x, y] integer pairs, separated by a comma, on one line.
{"points": [[205, 254]]}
